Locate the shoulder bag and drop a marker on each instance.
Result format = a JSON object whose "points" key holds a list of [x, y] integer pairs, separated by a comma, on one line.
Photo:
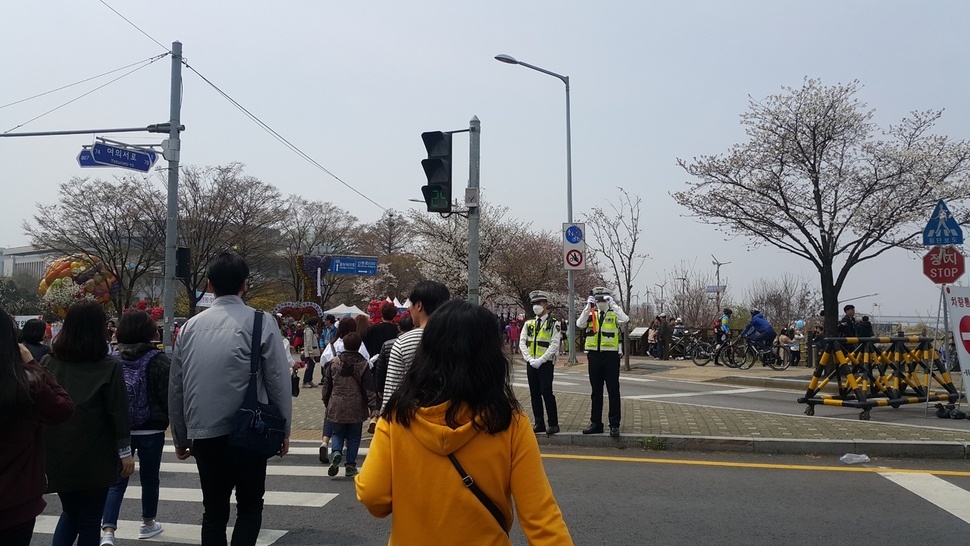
{"points": [[257, 428], [487, 502]]}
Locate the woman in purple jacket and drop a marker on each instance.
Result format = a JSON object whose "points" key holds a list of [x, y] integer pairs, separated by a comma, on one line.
{"points": [[29, 399]]}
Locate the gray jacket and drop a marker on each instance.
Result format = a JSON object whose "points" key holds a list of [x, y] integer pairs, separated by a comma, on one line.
{"points": [[210, 371]]}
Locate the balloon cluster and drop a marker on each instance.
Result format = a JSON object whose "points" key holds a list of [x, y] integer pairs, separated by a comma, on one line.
{"points": [[86, 272]]}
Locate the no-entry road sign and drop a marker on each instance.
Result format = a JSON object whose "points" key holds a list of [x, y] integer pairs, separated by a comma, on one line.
{"points": [[943, 265]]}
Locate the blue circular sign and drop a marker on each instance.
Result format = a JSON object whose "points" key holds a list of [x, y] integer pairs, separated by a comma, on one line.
{"points": [[574, 235]]}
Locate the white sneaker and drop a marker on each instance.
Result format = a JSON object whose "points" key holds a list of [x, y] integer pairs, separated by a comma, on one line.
{"points": [[108, 539], [148, 531]]}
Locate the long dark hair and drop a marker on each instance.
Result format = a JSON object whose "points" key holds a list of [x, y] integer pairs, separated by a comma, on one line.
{"points": [[14, 383], [459, 360], [84, 335]]}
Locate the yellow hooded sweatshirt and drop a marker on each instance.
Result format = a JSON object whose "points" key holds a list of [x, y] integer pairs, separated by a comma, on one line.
{"points": [[407, 473]]}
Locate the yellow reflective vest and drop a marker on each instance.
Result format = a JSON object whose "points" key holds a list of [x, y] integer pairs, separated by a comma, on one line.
{"points": [[539, 341], [607, 337]]}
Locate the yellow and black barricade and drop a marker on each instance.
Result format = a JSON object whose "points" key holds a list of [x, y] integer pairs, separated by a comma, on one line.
{"points": [[879, 371]]}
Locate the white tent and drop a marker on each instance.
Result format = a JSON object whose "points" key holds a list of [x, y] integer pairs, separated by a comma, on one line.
{"points": [[343, 310]]}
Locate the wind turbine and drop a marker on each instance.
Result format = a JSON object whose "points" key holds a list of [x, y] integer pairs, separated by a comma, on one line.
{"points": [[717, 275]]}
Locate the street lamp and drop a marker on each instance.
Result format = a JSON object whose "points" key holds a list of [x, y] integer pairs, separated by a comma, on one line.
{"points": [[570, 274]]}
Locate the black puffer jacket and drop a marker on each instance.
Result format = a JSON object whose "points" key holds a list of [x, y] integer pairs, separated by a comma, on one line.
{"points": [[157, 375]]}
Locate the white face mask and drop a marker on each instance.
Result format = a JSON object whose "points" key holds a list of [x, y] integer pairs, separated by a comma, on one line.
{"points": [[603, 306], [538, 310]]}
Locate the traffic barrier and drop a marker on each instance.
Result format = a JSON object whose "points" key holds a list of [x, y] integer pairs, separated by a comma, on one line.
{"points": [[877, 372]]}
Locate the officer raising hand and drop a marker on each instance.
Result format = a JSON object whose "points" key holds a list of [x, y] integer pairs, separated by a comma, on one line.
{"points": [[603, 352], [539, 345]]}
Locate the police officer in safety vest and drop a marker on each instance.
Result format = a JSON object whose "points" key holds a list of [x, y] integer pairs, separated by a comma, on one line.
{"points": [[602, 318], [539, 345]]}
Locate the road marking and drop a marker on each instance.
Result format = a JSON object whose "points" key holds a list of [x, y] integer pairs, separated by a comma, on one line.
{"points": [[935, 490], [702, 393], [637, 379], [767, 466], [271, 498], [172, 533], [294, 450], [271, 470]]}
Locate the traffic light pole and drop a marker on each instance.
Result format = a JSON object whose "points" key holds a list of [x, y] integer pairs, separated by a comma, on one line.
{"points": [[171, 221], [472, 202]]}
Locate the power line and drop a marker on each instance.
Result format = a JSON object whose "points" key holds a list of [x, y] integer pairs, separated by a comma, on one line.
{"points": [[152, 59], [281, 139], [145, 63], [136, 27]]}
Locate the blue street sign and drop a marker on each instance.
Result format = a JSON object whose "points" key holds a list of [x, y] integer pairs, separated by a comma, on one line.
{"points": [[574, 234], [942, 228], [353, 265], [84, 159], [117, 156]]}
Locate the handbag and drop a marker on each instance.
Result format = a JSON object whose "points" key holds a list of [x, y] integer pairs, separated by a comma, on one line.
{"points": [[295, 384], [487, 502], [257, 428]]}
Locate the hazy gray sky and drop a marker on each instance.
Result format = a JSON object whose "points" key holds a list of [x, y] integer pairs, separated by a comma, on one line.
{"points": [[355, 83]]}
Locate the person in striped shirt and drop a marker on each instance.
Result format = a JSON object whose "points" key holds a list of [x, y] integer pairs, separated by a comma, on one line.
{"points": [[426, 296]]}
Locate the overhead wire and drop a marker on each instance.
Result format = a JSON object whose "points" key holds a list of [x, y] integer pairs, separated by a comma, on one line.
{"points": [[282, 139], [85, 80], [102, 86], [252, 116]]}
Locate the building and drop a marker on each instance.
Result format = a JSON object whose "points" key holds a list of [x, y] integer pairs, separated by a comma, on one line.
{"points": [[29, 259]]}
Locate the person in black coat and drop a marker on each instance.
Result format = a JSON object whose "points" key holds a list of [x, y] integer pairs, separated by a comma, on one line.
{"points": [[864, 328]]}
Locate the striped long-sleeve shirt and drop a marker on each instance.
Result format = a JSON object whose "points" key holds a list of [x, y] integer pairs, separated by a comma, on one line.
{"points": [[402, 354]]}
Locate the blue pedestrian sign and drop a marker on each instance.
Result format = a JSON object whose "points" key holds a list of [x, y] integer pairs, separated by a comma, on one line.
{"points": [[84, 159], [942, 228], [353, 265], [117, 156]]}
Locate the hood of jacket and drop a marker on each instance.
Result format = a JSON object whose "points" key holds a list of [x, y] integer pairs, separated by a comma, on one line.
{"points": [[430, 428], [134, 351]]}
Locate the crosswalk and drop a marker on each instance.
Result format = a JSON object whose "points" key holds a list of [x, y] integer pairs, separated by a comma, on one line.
{"points": [[280, 475], [570, 378]]}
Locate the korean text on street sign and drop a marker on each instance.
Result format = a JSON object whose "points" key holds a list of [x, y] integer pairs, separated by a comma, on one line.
{"points": [[574, 246], [943, 265], [942, 229], [958, 300], [84, 159], [117, 156], [353, 265]]}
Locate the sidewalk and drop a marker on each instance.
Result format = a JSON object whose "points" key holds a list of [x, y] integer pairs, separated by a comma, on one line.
{"points": [[673, 426]]}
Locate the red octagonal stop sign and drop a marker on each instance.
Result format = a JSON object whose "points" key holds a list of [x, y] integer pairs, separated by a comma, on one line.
{"points": [[943, 264]]}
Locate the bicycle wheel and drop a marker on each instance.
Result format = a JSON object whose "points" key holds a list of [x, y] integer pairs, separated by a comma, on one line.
{"points": [[728, 356], [750, 356], [779, 358], [702, 353]]}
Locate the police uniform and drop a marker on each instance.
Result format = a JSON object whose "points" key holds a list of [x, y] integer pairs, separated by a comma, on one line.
{"points": [[539, 345], [603, 353]]}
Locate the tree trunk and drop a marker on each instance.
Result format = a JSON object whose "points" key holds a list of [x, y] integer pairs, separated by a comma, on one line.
{"points": [[830, 300]]}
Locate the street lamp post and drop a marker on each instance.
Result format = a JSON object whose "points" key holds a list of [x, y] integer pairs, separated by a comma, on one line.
{"points": [[570, 274]]}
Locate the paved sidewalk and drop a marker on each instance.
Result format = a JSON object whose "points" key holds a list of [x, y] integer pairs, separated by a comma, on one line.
{"points": [[670, 425]]}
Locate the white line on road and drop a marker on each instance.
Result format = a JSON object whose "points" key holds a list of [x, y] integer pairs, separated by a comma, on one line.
{"points": [[271, 470], [172, 533], [685, 394], [936, 490], [294, 450], [637, 379], [270, 498]]}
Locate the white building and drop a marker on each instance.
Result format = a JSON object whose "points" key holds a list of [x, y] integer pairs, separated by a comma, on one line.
{"points": [[31, 259]]}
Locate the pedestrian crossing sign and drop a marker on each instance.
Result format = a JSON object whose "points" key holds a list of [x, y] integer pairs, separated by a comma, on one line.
{"points": [[942, 229]]}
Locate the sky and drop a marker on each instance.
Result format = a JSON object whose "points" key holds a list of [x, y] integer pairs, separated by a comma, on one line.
{"points": [[354, 84]]}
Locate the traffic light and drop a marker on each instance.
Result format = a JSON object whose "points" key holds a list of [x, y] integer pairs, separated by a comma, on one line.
{"points": [[437, 194]]}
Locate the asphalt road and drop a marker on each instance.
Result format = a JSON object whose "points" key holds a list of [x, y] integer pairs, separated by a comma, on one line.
{"points": [[651, 387], [626, 497]]}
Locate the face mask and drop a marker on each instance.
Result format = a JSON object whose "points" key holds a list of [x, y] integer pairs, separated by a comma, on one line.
{"points": [[603, 306], [537, 309]]}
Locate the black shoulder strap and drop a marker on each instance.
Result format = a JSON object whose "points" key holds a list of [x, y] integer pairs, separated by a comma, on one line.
{"points": [[470, 484], [254, 357]]}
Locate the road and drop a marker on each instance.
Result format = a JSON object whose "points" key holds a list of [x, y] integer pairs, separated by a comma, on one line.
{"points": [[623, 497], [649, 386]]}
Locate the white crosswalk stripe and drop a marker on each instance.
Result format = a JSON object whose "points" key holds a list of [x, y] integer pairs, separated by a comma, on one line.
{"points": [[304, 452]]}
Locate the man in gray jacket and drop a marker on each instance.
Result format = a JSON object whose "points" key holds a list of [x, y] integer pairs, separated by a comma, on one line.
{"points": [[208, 380]]}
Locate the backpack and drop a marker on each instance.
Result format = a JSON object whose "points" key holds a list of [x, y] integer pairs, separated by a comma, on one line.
{"points": [[136, 384], [717, 326]]}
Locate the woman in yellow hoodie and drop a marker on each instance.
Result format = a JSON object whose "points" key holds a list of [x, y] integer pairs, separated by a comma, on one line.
{"points": [[456, 400]]}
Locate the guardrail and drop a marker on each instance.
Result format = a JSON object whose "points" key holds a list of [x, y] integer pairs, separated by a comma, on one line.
{"points": [[877, 372]]}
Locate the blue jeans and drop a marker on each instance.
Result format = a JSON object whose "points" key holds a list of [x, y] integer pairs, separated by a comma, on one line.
{"points": [[350, 432], [149, 450], [80, 516], [311, 362], [762, 342]]}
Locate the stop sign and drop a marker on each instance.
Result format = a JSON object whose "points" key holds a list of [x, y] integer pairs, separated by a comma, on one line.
{"points": [[943, 264]]}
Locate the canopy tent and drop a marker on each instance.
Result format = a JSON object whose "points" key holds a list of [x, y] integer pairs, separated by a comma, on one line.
{"points": [[344, 310]]}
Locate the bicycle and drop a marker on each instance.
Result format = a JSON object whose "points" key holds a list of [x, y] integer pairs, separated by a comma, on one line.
{"points": [[731, 353], [777, 358], [701, 353]]}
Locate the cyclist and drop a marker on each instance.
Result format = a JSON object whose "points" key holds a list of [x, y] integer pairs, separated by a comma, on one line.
{"points": [[759, 332], [722, 331]]}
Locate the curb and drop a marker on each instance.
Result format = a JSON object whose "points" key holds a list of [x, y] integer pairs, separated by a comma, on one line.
{"points": [[768, 446], [771, 383]]}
